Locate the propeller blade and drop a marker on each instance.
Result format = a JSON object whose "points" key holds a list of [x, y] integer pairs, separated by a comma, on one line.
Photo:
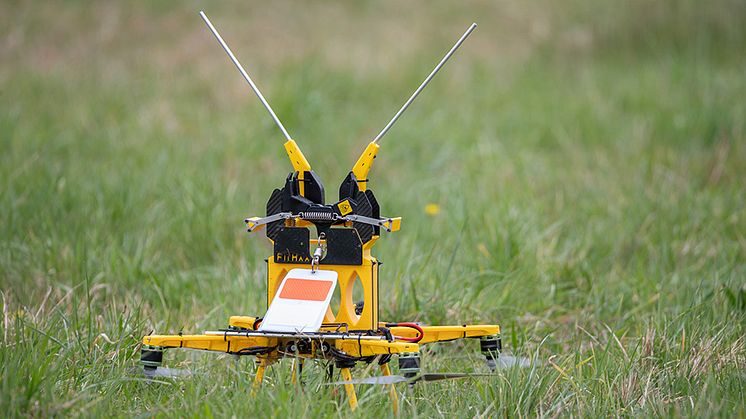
{"points": [[508, 361], [165, 372], [502, 362], [395, 379], [381, 379], [448, 375]]}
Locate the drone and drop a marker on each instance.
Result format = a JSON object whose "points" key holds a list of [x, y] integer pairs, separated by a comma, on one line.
{"points": [[304, 270]]}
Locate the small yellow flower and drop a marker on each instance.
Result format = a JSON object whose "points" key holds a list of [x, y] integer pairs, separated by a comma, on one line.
{"points": [[432, 209], [483, 250]]}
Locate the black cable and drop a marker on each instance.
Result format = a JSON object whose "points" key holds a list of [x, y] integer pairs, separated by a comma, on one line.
{"points": [[255, 350], [337, 354]]}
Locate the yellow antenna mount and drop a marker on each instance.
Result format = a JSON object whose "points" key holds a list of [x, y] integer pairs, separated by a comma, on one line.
{"points": [[297, 159], [299, 162], [363, 164]]}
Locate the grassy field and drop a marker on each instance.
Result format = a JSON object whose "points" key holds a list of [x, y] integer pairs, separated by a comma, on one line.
{"points": [[588, 159]]}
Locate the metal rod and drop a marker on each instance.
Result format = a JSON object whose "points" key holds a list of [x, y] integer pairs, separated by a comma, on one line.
{"points": [[424, 83], [318, 335], [244, 74]]}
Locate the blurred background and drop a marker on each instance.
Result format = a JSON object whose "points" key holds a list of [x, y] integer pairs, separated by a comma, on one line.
{"points": [[574, 173]]}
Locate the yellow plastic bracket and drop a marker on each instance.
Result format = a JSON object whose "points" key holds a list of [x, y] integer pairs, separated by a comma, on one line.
{"points": [[244, 322], [251, 223], [363, 164], [299, 162], [393, 224], [297, 159]]}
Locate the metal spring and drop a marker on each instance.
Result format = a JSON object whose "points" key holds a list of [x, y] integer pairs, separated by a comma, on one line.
{"points": [[318, 215]]}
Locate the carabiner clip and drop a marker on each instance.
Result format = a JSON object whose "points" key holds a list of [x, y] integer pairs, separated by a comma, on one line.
{"points": [[317, 253]]}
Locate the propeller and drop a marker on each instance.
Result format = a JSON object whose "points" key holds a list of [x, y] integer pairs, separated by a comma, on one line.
{"points": [[394, 379], [165, 372], [502, 362], [508, 361]]}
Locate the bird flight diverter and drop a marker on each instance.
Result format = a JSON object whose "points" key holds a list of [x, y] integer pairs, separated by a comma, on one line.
{"points": [[300, 302]]}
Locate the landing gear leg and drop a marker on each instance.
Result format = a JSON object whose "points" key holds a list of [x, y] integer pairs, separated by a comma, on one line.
{"points": [[385, 370], [349, 388], [259, 377], [297, 371]]}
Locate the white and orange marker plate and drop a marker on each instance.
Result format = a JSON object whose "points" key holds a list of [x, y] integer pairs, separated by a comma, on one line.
{"points": [[301, 302]]}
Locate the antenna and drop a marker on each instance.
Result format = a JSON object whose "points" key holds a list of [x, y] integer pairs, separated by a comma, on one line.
{"points": [[424, 83], [244, 74], [365, 161]]}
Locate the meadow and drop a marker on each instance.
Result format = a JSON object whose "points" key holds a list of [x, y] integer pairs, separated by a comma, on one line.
{"points": [[587, 159]]}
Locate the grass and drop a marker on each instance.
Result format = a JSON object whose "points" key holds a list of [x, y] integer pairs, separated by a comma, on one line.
{"points": [[588, 160]]}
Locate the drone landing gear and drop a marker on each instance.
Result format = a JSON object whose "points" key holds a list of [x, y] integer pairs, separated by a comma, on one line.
{"points": [[345, 368], [349, 388], [296, 371], [346, 372], [386, 371], [259, 377]]}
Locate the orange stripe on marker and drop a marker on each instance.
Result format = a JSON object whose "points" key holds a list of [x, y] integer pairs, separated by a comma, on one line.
{"points": [[305, 289]]}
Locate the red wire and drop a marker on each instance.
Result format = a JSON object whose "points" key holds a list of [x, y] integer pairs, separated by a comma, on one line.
{"points": [[413, 326]]}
